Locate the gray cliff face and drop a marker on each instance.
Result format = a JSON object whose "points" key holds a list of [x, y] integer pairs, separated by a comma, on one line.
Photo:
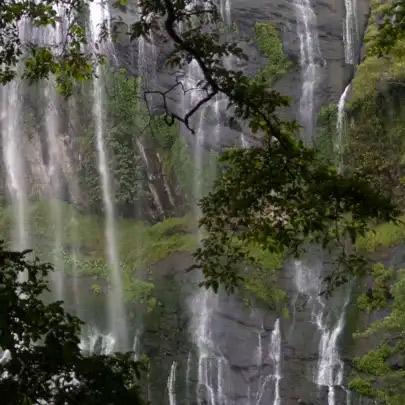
{"points": [[332, 76], [225, 351], [239, 368]]}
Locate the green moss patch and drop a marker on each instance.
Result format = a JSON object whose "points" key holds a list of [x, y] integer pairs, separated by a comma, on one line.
{"points": [[383, 236]]}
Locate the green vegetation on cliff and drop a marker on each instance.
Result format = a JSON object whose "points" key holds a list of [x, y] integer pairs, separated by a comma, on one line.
{"points": [[380, 372], [325, 140], [140, 245], [375, 149], [383, 236], [376, 116], [269, 43]]}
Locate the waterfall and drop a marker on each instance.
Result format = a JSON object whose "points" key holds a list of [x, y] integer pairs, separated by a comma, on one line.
{"points": [[330, 367], [12, 144], [225, 10], [188, 378], [13, 154], [171, 384], [53, 36], [350, 31], [340, 128], [259, 350], [99, 13], [275, 356], [54, 174], [310, 57], [210, 364], [95, 343], [136, 346]]}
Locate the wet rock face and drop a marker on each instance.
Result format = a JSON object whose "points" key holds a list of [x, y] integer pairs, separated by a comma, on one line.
{"points": [[232, 339], [224, 349], [333, 73]]}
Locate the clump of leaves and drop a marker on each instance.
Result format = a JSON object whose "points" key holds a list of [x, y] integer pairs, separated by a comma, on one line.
{"points": [[44, 362], [279, 195], [281, 203], [380, 372], [64, 60], [379, 293]]}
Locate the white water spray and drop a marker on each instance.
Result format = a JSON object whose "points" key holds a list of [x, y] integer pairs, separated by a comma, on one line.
{"points": [[171, 384], [11, 112], [275, 356], [54, 173], [99, 14], [95, 343], [210, 365], [330, 368], [350, 31], [340, 128], [310, 57]]}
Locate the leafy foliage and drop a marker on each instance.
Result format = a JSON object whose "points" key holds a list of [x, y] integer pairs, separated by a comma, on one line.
{"points": [[65, 59], [124, 124], [270, 45], [278, 196], [376, 117], [45, 363], [383, 236], [377, 295], [326, 134], [280, 203], [391, 27], [380, 372]]}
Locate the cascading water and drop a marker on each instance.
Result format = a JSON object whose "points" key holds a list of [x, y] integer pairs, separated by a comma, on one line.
{"points": [[171, 384], [94, 342], [330, 367], [211, 364], [350, 32], [99, 14], [210, 388], [274, 355], [310, 57], [11, 111], [52, 129], [341, 128]]}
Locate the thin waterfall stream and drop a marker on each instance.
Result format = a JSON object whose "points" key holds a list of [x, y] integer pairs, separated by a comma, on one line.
{"points": [[12, 142], [341, 128], [54, 175], [116, 313], [310, 59], [275, 355], [211, 368], [330, 367], [351, 32], [171, 384]]}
